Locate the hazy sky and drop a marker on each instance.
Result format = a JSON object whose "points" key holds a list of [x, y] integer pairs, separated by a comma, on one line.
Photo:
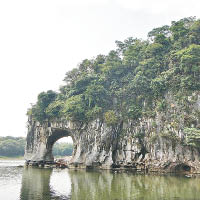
{"points": [[40, 40]]}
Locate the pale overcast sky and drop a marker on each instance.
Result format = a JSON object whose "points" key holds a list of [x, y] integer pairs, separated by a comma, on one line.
{"points": [[40, 40]]}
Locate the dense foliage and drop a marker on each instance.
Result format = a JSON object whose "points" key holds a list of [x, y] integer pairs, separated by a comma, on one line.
{"points": [[14, 147], [131, 80]]}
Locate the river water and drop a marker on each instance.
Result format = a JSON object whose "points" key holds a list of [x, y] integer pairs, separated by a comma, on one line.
{"points": [[45, 184]]}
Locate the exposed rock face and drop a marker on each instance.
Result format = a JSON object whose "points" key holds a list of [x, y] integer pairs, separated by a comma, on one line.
{"points": [[152, 143]]}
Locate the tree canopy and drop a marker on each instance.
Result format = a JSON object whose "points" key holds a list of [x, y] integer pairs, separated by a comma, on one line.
{"points": [[126, 83]]}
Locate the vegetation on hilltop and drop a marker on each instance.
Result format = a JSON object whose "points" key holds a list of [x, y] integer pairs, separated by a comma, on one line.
{"points": [[129, 82]]}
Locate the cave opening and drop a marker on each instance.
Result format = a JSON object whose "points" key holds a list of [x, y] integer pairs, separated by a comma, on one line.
{"points": [[181, 168]]}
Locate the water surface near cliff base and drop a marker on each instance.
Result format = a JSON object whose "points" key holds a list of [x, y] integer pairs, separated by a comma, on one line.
{"points": [[46, 184]]}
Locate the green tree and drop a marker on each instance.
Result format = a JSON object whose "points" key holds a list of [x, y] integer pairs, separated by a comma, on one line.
{"points": [[128, 82]]}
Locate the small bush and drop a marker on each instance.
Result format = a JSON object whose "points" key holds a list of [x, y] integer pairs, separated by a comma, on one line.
{"points": [[110, 118]]}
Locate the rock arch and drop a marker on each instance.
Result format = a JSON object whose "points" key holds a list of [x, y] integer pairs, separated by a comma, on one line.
{"points": [[41, 138], [92, 143]]}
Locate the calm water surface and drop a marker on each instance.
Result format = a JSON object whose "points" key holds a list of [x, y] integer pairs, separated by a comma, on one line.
{"points": [[46, 184]]}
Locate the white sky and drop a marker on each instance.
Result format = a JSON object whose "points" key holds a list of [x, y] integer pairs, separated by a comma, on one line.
{"points": [[40, 40]]}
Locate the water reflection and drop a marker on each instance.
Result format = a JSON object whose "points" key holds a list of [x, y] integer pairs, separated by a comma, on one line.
{"points": [[37, 184], [105, 185], [60, 183], [10, 182], [47, 184]]}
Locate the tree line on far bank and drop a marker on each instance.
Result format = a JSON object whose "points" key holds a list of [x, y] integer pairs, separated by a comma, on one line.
{"points": [[14, 147]]}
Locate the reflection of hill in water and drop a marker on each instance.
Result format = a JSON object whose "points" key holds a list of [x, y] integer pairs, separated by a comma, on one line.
{"points": [[105, 185], [43, 184], [80, 185]]}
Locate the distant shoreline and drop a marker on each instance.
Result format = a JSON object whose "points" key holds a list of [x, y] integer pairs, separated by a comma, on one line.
{"points": [[11, 158], [22, 158]]}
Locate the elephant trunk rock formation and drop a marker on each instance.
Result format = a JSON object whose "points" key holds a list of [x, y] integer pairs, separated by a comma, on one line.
{"points": [[153, 144]]}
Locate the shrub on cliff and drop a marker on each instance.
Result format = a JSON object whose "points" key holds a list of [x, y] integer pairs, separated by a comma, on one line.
{"points": [[192, 137]]}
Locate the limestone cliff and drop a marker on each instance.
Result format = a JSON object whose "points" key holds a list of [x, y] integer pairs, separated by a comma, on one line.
{"points": [[166, 142], [137, 107]]}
